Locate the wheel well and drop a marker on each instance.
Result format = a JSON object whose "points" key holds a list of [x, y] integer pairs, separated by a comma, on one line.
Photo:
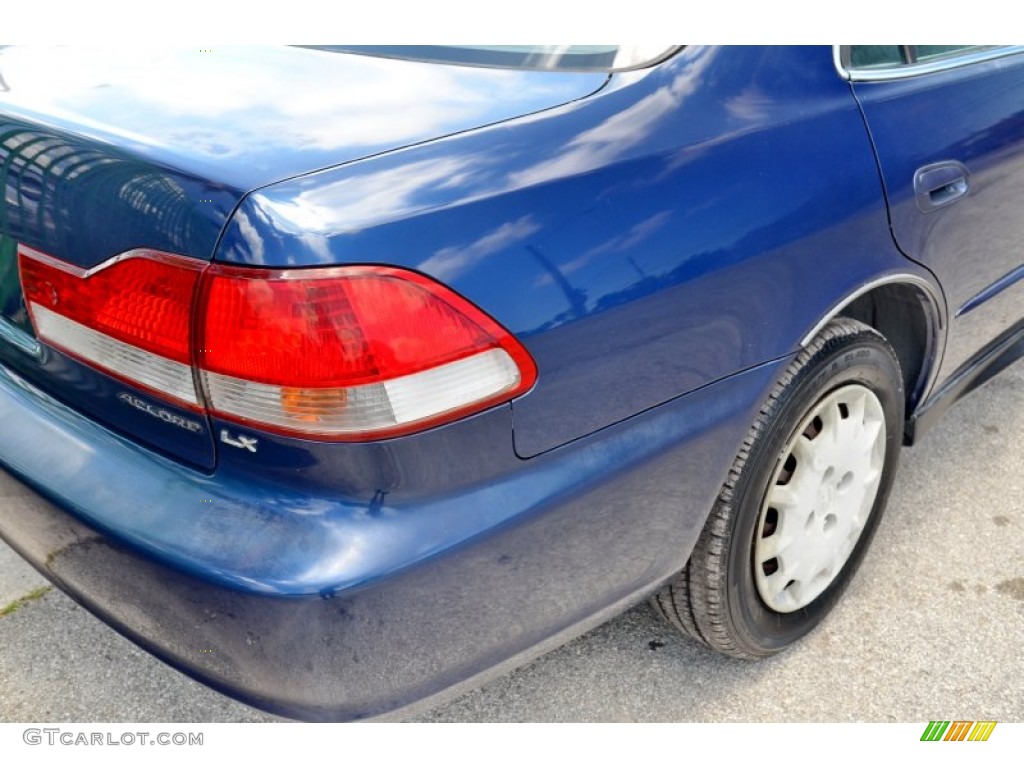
{"points": [[906, 316]]}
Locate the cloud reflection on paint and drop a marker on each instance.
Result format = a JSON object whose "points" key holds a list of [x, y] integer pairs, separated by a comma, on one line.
{"points": [[359, 200], [637, 235], [243, 103], [616, 135], [451, 261]]}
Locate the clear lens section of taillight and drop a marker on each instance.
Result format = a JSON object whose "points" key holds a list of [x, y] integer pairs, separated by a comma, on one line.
{"points": [[131, 317], [350, 352], [338, 353]]}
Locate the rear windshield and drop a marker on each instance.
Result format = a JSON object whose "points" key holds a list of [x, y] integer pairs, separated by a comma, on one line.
{"points": [[578, 58]]}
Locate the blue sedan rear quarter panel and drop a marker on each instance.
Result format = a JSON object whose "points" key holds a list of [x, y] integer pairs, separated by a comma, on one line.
{"points": [[685, 223]]}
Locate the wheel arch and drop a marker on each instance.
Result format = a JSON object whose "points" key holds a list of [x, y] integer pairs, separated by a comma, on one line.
{"points": [[911, 313]]}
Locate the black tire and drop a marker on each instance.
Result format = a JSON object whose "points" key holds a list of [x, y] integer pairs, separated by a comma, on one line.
{"points": [[716, 599]]}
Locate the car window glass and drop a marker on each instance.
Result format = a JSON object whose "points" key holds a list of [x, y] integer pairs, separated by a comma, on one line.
{"points": [[929, 52], [875, 56], [892, 56]]}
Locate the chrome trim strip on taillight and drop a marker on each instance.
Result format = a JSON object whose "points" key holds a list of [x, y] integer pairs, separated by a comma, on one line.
{"points": [[186, 262]]}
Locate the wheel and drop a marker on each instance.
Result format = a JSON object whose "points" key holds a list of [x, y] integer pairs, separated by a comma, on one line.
{"points": [[801, 502]]}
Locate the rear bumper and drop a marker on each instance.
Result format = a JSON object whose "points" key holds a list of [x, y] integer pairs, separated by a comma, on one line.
{"points": [[323, 608]]}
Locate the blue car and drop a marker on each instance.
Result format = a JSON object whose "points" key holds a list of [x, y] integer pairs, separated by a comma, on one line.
{"points": [[355, 376]]}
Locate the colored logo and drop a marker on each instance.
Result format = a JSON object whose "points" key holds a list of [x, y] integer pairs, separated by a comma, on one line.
{"points": [[958, 730]]}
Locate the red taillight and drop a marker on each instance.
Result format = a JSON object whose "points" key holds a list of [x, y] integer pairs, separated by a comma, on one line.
{"points": [[350, 352], [344, 353], [329, 328], [131, 317]]}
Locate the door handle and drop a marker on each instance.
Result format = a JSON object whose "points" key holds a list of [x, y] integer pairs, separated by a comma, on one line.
{"points": [[940, 184]]}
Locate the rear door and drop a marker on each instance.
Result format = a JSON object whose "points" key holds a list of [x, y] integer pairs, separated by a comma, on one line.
{"points": [[948, 127]]}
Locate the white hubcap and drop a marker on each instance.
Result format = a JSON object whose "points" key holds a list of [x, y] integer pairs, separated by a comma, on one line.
{"points": [[819, 498]]}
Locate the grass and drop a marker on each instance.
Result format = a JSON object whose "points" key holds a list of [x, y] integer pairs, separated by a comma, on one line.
{"points": [[24, 600]]}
